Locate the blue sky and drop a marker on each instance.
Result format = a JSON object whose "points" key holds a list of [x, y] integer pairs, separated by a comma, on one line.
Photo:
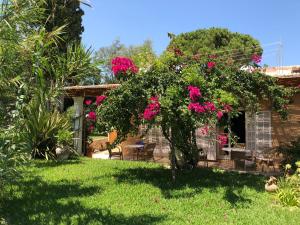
{"points": [[134, 21]]}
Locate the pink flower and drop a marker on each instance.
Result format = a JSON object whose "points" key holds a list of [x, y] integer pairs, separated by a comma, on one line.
{"points": [[227, 108], [100, 99], [219, 115], [91, 128], [121, 65], [91, 116], [194, 93], [204, 130], [152, 109], [211, 65], [196, 107], [88, 102], [210, 106], [256, 58], [222, 139]]}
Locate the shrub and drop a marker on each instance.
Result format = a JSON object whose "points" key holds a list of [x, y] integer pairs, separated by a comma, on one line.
{"points": [[64, 137], [12, 157], [41, 128], [291, 152], [289, 187]]}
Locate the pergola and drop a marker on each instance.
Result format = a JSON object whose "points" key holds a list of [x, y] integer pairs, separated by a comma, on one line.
{"points": [[78, 93]]}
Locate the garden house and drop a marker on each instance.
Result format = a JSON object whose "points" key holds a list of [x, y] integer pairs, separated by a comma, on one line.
{"points": [[256, 132]]}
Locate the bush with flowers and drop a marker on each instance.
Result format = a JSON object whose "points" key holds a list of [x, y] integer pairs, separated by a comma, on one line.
{"points": [[181, 93]]}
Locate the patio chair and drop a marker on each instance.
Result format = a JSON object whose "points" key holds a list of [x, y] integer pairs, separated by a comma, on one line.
{"points": [[148, 151], [263, 160], [118, 153]]}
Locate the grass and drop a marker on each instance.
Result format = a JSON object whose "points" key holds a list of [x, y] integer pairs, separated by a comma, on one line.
{"points": [[121, 192]]}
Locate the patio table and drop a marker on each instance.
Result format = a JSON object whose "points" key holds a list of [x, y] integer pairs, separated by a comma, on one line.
{"points": [[135, 146], [237, 155], [238, 150]]}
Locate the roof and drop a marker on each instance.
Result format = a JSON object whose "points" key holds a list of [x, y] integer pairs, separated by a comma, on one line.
{"points": [[288, 76], [289, 81], [282, 71], [89, 90]]}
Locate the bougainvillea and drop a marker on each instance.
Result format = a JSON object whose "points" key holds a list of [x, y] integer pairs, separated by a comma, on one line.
{"points": [[123, 67], [219, 115], [223, 139], [194, 92], [256, 58], [100, 99], [196, 107], [210, 106], [91, 116], [88, 102], [152, 109]]}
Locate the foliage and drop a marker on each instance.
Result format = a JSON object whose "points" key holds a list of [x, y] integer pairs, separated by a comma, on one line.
{"points": [[289, 187], [64, 137], [12, 157], [142, 55], [75, 67], [41, 127], [291, 152], [235, 48], [222, 88], [64, 13], [33, 72], [89, 191]]}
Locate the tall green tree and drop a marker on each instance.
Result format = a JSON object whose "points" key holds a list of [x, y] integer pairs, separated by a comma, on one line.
{"points": [[67, 13], [232, 47]]}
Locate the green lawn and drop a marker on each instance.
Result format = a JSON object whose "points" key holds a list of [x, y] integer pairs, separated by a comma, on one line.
{"points": [[122, 192]]}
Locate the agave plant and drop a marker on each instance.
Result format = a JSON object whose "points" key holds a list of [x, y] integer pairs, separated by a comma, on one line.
{"points": [[41, 128]]}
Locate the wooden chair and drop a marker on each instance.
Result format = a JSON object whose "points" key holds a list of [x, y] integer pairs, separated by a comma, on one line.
{"points": [[112, 153], [148, 151]]}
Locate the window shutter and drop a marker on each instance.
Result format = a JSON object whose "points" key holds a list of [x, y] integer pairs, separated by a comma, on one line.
{"points": [[263, 130], [207, 143], [250, 131]]}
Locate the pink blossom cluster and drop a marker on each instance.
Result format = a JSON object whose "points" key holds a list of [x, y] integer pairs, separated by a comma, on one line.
{"points": [[152, 109], [121, 65], [100, 99], [210, 106], [256, 58], [204, 130], [91, 128], [196, 107], [88, 102], [222, 139], [91, 116], [194, 93], [219, 115], [227, 108]]}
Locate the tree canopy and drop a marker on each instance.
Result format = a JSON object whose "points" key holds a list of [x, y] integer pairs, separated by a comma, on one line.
{"points": [[66, 13], [230, 46]]}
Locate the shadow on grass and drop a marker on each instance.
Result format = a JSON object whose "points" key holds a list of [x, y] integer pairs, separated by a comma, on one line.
{"points": [[192, 182], [44, 203]]}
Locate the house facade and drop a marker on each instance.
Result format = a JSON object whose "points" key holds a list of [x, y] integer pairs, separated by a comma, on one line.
{"points": [[258, 132]]}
